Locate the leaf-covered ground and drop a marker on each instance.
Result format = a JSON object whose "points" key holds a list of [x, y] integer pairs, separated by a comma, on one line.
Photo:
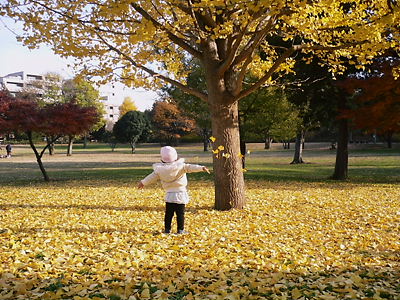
{"points": [[293, 241]]}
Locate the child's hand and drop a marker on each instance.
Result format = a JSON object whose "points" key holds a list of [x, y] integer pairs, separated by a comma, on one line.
{"points": [[140, 185], [206, 170]]}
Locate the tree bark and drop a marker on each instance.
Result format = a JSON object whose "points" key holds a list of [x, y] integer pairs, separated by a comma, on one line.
{"points": [[298, 151], [205, 144], [268, 143], [50, 146], [342, 152], [228, 173], [389, 139], [70, 145], [38, 157], [133, 147], [205, 133]]}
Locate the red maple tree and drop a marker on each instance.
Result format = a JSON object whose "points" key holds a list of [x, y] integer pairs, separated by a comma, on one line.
{"points": [[52, 120], [170, 123], [377, 102]]}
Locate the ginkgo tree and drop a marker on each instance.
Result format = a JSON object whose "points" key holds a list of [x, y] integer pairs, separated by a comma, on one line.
{"points": [[127, 105], [145, 42]]}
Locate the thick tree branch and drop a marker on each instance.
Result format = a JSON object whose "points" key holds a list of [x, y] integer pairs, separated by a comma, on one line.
{"points": [[286, 55], [254, 42], [178, 41], [267, 75], [183, 87]]}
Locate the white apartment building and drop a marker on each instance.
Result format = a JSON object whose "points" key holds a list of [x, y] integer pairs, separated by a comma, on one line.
{"points": [[111, 114], [16, 82]]}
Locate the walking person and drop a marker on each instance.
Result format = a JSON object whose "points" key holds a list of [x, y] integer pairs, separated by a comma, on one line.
{"points": [[172, 174], [9, 150]]}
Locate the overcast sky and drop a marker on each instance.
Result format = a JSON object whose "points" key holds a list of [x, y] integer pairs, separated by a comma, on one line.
{"points": [[14, 57]]}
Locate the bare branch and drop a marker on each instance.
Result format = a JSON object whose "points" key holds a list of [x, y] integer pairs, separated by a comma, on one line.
{"points": [[254, 42], [183, 87], [178, 41]]}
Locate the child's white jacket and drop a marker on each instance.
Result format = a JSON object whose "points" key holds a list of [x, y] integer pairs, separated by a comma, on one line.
{"points": [[172, 175]]}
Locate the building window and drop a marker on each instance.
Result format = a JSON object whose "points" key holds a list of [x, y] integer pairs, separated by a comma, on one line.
{"points": [[34, 77], [111, 116], [16, 84]]}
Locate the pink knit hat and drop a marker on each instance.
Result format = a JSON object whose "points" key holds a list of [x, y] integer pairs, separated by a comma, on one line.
{"points": [[168, 154]]}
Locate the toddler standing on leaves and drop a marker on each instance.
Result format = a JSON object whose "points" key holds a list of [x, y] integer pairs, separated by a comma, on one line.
{"points": [[172, 174]]}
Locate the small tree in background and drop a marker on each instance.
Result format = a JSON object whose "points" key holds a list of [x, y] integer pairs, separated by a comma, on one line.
{"points": [[105, 136], [84, 94], [193, 107], [45, 91], [52, 120], [131, 128], [126, 106], [169, 122]]}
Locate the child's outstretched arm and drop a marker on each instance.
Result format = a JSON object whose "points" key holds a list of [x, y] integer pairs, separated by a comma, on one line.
{"points": [[205, 169], [149, 179]]}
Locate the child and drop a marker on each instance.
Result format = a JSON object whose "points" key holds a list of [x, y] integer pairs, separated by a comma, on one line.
{"points": [[172, 174]]}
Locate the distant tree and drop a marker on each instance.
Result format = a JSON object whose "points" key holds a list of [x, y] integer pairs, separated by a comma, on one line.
{"points": [[45, 91], [106, 136], [169, 122], [191, 106], [131, 128], [53, 120], [84, 94], [261, 114], [126, 106], [377, 101], [265, 113]]}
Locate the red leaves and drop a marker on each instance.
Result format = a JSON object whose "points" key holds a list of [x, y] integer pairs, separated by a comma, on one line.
{"points": [[169, 121], [67, 119], [378, 102], [20, 115]]}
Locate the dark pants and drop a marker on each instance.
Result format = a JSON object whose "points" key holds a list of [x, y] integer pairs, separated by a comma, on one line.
{"points": [[170, 209]]}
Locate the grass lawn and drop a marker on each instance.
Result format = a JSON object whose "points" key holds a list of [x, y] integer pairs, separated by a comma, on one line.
{"points": [[90, 234]]}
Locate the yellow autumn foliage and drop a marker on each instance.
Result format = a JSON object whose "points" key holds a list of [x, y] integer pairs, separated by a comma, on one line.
{"points": [[298, 241]]}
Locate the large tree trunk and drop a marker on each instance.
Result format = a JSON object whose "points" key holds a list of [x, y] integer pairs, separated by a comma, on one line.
{"points": [[227, 163], [342, 152], [38, 157], [70, 145], [298, 150], [228, 172]]}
